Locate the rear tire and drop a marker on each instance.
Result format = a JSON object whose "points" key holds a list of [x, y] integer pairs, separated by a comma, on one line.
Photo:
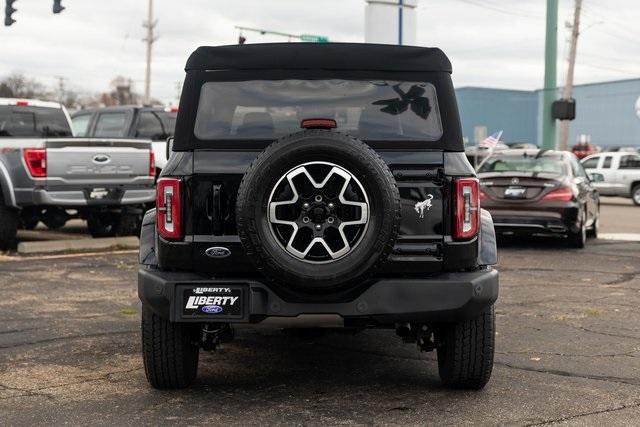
{"points": [[8, 226], [578, 239], [595, 228], [465, 351], [295, 273], [111, 224], [635, 194], [169, 351]]}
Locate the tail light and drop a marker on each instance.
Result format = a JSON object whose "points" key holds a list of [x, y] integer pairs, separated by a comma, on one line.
{"points": [[562, 194], [467, 209], [36, 160], [152, 163], [169, 205]]}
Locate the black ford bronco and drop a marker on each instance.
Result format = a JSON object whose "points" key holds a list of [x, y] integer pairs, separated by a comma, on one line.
{"points": [[318, 185]]}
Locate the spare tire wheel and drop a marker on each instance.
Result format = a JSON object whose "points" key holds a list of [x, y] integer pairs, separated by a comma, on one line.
{"points": [[317, 211]]}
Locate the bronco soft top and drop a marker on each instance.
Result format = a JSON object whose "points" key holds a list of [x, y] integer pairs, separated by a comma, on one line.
{"points": [[313, 56]]}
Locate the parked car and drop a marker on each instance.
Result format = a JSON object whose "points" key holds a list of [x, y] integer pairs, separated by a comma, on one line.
{"points": [[540, 191], [476, 154], [618, 174], [522, 146], [317, 185], [129, 121], [624, 149], [584, 149], [47, 175]]}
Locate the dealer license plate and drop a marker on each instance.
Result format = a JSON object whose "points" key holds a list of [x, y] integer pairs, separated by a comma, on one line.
{"points": [[219, 301], [515, 193]]}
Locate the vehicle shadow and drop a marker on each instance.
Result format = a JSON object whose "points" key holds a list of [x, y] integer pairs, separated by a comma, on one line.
{"points": [[268, 363]]}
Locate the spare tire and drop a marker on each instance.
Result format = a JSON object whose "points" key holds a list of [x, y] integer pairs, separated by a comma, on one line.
{"points": [[318, 211]]}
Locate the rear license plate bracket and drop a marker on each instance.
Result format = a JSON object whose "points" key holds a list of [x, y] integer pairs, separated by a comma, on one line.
{"points": [[515, 193], [211, 301], [99, 194]]}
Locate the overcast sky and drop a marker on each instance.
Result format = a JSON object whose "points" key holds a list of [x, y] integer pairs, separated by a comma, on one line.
{"points": [[495, 43]]}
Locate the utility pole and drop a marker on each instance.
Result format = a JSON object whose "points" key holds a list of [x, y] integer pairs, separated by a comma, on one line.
{"points": [[150, 25], [563, 134], [550, 58], [61, 91], [400, 23]]}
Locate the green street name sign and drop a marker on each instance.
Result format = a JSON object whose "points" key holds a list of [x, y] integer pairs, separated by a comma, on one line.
{"points": [[314, 39]]}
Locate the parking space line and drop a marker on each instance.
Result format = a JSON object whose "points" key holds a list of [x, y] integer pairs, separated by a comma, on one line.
{"points": [[627, 237]]}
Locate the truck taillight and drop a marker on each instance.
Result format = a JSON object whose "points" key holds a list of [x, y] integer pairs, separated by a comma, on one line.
{"points": [[169, 206], [36, 160], [467, 209], [152, 163]]}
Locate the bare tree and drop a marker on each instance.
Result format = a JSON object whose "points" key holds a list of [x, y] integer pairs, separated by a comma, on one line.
{"points": [[20, 86]]}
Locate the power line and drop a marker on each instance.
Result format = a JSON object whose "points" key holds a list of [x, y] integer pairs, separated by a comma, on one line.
{"points": [[620, 31], [490, 6], [602, 13], [607, 68]]}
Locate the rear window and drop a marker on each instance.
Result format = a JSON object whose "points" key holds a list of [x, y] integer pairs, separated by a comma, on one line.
{"points": [[156, 125], [168, 119], [81, 124], [546, 165], [27, 121], [269, 109], [111, 125]]}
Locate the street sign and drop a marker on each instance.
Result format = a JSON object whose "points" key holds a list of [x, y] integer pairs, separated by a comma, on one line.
{"points": [[313, 38]]}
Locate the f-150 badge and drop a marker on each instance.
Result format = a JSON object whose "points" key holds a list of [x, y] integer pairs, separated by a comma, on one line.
{"points": [[421, 206]]}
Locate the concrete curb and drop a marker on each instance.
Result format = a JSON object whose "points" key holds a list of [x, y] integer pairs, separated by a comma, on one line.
{"points": [[78, 245]]}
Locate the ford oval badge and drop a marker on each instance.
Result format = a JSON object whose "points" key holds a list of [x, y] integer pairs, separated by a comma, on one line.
{"points": [[101, 159], [217, 252], [211, 309]]}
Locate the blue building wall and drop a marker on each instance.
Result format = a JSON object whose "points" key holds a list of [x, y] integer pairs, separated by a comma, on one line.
{"points": [[512, 111], [606, 111]]}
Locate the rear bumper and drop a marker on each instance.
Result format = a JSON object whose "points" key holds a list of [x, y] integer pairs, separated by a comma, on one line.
{"points": [[555, 219], [78, 198], [441, 298]]}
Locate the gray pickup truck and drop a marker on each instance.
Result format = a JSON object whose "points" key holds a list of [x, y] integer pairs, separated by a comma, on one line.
{"points": [[615, 174], [48, 175]]}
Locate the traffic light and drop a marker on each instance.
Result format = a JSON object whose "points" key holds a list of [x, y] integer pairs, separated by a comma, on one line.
{"points": [[8, 11], [57, 6]]}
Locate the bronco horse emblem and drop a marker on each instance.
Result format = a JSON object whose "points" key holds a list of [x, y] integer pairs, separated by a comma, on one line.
{"points": [[425, 204]]}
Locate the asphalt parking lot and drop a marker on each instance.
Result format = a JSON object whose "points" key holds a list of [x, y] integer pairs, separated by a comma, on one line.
{"points": [[568, 350]]}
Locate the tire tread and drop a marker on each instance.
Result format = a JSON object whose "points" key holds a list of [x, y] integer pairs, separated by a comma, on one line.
{"points": [[465, 355], [170, 357]]}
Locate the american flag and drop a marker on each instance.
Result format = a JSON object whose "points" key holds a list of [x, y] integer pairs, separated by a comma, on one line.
{"points": [[491, 141]]}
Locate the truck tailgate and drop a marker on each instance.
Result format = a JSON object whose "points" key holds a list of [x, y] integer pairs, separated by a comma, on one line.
{"points": [[82, 160]]}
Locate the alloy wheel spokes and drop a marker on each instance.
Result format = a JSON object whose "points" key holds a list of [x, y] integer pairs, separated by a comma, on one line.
{"points": [[326, 217]]}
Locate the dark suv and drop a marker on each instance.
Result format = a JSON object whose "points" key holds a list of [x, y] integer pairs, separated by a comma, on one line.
{"points": [[318, 186]]}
